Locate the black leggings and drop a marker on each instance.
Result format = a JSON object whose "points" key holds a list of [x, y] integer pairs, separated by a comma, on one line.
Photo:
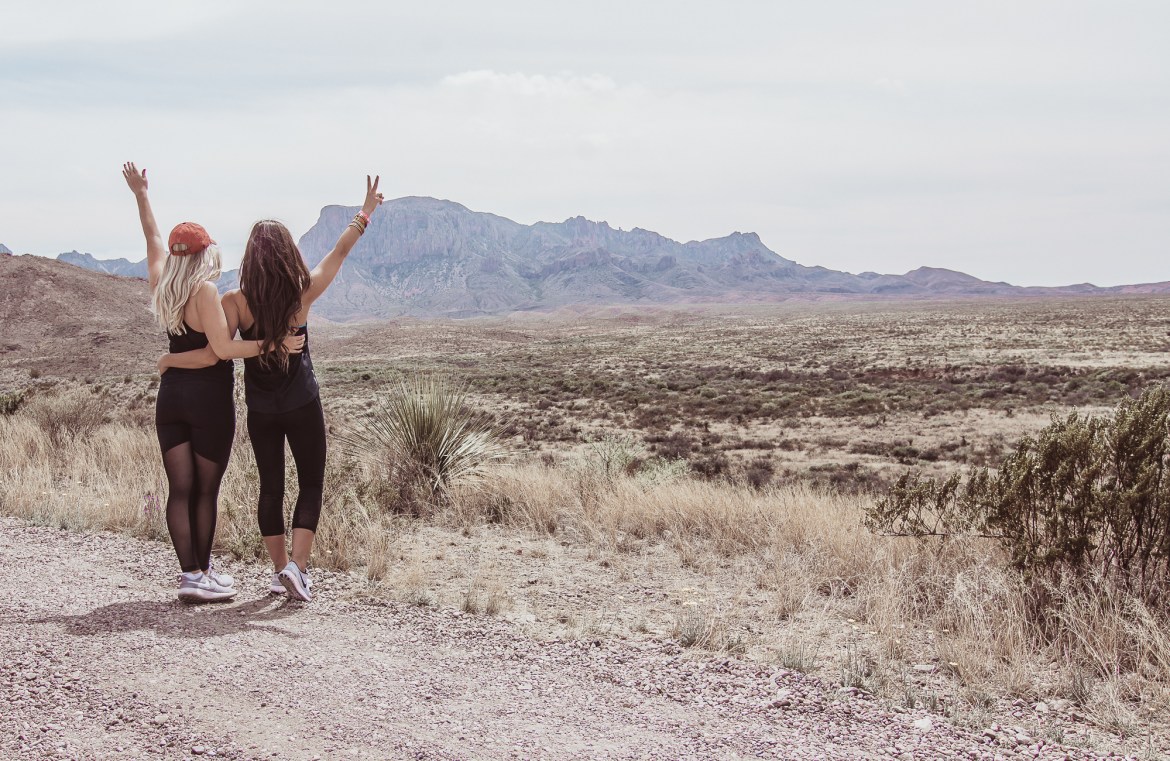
{"points": [[305, 430], [196, 422]]}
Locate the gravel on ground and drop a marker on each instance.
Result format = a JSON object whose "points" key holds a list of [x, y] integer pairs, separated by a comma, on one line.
{"points": [[98, 660]]}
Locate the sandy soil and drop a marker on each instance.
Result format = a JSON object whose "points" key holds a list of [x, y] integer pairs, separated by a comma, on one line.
{"points": [[99, 661]]}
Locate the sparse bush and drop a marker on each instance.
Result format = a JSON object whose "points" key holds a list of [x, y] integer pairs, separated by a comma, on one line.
{"points": [[1088, 497], [658, 470], [616, 455], [712, 466], [67, 416], [10, 402], [759, 472]]}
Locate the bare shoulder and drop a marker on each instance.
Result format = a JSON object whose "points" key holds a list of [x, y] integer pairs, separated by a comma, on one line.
{"points": [[237, 302], [230, 304], [205, 294]]}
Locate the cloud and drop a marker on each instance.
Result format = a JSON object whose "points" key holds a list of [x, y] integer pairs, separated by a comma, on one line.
{"points": [[1020, 150], [34, 24], [531, 85], [895, 86]]}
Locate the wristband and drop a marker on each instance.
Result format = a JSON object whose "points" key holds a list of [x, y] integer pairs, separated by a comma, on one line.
{"points": [[363, 215]]}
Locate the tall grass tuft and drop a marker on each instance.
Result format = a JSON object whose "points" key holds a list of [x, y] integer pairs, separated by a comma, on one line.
{"points": [[421, 440]]}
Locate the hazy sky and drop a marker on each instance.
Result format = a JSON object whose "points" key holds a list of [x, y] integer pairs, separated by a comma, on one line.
{"points": [[1021, 140]]}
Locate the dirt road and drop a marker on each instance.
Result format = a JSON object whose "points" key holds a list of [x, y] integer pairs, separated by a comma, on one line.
{"points": [[97, 660]]}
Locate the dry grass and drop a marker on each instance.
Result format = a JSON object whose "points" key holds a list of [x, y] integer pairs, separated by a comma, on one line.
{"points": [[887, 603]]}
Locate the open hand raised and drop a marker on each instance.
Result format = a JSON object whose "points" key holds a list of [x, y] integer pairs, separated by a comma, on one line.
{"points": [[135, 179]]}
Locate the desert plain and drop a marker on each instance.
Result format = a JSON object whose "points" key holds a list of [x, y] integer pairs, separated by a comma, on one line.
{"points": [[692, 477]]}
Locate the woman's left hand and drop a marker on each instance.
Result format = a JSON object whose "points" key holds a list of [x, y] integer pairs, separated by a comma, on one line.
{"points": [[373, 197]]}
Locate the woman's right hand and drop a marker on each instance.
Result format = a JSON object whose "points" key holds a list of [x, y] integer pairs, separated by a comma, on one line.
{"points": [[294, 344], [373, 197]]}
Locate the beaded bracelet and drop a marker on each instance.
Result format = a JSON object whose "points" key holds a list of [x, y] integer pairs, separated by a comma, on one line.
{"points": [[362, 213]]}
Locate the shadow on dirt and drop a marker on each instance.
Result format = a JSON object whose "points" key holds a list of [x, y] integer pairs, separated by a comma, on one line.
{"points": [[176, 619]]}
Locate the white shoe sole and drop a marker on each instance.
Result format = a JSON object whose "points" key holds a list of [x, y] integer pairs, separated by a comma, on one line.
{"points": [[205, 595], [293, 586]]}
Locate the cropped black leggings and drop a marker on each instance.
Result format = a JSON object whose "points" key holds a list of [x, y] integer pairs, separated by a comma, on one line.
{"points": [[196, 421], [304, 428]]}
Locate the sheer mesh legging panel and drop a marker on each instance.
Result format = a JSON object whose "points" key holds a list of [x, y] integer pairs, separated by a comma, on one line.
{"points": [[192, 504]]}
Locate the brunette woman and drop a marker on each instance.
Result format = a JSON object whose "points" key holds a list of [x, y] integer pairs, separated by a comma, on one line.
{"points": [[195, 413], [273, 301]]}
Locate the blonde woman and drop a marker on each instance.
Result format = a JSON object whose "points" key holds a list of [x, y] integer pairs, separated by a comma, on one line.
{"points": [[195, 413]]}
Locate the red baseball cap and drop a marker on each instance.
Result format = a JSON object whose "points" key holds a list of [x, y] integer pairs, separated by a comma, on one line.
{"points": [[188, 238]]}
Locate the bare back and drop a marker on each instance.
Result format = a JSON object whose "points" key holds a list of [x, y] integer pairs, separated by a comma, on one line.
{"points": [[235, 306]]}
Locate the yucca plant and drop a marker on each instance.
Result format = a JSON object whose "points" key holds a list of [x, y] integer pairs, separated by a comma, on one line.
{"points": [[421, 439]]}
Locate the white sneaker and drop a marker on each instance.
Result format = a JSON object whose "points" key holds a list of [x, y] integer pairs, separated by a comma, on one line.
{"points": [[222, 579], [277, 588], [294, 582], [203, 589]]}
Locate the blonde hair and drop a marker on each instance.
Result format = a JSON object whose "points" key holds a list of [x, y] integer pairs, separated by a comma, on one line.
{"points": [[181, 275]]}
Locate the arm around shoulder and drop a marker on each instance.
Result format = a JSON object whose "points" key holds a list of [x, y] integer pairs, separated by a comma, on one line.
{"points": [[216, 327]]}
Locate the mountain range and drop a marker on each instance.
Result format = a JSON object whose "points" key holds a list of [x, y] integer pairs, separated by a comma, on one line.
{"points": [[429, 257], [122, 267]]}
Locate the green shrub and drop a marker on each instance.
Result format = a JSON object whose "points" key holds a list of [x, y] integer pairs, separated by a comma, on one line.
{"points": [[10, 402], [1086, 496]]}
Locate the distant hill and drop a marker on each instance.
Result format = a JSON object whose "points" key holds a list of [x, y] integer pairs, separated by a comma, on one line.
{"points": [[126, 268], [5, 250], [428, 257], [58, 318], [123, 267]]}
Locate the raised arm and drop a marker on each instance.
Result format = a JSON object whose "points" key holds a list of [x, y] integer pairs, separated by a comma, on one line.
{"points": [[323, 274], [219, 338], [156, 250]]}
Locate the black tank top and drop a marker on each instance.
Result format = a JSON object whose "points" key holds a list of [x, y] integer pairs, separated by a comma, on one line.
{"points": [[273, 389], [189, 341]]}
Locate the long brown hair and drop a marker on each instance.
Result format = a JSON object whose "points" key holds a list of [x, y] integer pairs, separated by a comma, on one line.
{"points": [[273, 277]]}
